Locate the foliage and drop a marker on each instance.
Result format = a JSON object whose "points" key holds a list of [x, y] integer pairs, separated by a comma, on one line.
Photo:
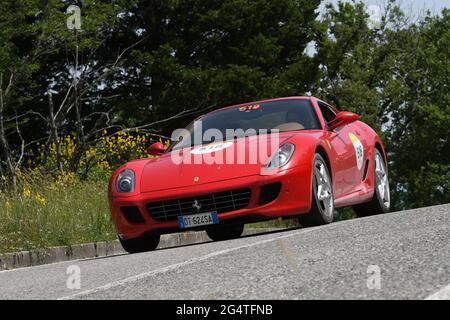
{"points": [[396, 79], [216, 53], [418, 133], [110, 152]]}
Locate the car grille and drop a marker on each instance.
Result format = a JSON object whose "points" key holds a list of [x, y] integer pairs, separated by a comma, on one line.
{"points": [[220, 201]]}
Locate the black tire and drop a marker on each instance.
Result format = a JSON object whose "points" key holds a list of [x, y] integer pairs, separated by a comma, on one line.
{"points": [[377, 205], [319, 213], [141, 244], [225, 232]]}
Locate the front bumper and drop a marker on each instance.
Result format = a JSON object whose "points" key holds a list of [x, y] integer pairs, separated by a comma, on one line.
{"points": [[294, 198]]}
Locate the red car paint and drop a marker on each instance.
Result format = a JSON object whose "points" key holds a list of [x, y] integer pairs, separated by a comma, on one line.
{"points": [[160, 179]]}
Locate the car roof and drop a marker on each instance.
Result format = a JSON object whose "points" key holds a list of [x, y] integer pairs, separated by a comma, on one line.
{"points": [[266, 100]]}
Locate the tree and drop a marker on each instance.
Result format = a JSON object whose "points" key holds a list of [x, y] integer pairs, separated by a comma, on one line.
{"points": [[216, 53], [41, 56], [420, 118], [24, 39], [396, 79]]}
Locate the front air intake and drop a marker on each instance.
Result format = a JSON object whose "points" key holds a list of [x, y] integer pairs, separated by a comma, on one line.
{"points": [[269, 192], [132, 214]]}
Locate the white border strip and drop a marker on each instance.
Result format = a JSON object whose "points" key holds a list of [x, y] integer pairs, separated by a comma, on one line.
{"points": [[443, 294]]}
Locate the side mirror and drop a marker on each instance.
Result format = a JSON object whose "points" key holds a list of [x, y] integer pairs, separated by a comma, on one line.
{"points": [[342, 118], [156, 149]]}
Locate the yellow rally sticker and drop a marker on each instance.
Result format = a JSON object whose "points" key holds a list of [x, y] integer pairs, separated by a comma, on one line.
{"points": [[251, 107], [359, 150]]}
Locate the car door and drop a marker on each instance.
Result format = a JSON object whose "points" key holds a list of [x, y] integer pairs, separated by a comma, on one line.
{"points": [[358, 140], [342, 143]]}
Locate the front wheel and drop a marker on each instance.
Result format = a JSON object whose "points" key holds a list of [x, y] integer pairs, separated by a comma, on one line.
{"points": [[322, 202], [381, 200], [141, 244], [225, 232]]}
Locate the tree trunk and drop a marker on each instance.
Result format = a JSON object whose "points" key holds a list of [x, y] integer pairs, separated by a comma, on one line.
{"points": [[4, 143], [54, 133], [80, 138]]}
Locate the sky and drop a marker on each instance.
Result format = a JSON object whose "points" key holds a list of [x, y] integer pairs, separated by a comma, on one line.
{"points": [[412, 8]]}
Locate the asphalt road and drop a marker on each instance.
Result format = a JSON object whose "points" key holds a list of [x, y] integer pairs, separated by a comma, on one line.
{"points": [[410, 250]]}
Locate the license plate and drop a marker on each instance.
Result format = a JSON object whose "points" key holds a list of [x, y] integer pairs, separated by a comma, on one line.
{"points": [[199, 219]]}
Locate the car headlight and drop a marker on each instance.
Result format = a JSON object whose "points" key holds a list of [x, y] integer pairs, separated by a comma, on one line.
{"points": [[281, 156], [125, 181]]}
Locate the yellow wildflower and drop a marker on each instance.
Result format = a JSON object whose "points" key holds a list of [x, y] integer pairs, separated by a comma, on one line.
{"points": [[26, 192], [40, 199]]}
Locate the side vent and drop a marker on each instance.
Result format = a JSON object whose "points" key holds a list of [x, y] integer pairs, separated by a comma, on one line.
{"points": [[365, 170]]}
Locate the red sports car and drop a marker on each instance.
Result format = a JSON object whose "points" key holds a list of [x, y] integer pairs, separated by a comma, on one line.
{"points": [[285, 157]]}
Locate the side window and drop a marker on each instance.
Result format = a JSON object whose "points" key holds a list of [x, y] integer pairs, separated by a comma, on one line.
{"points": [[327, 112]]}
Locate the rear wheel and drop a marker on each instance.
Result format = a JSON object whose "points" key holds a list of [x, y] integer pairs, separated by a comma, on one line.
{"points": [[322, 203], [381, 200], [225, 232], [141, 244]]}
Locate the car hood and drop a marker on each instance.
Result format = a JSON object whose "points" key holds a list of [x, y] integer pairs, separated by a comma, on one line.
{"points": [[164, 173]]}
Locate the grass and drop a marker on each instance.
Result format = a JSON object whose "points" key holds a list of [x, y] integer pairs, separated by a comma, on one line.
{"points": [[45, 212]]}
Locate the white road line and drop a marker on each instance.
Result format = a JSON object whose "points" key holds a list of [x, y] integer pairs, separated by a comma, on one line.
{"points": [[443, 294], [182, 264]]}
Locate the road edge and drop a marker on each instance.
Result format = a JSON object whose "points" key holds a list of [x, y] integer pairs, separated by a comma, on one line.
{"points": [[36, 257]]}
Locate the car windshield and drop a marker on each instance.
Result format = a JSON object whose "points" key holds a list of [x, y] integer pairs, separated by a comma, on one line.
{"points": [[248, 120]]}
